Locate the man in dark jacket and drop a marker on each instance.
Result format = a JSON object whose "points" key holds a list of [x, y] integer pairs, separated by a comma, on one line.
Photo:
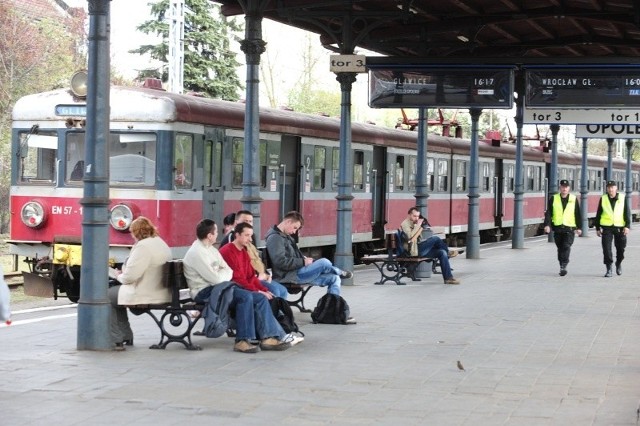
{"points": [[289, 265], [612, 224], [564, 218]]}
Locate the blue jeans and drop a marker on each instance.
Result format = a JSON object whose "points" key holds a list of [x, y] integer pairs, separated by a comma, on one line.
{"points": [[321, 273], [277, 289], [253, 315], [436, 248]]}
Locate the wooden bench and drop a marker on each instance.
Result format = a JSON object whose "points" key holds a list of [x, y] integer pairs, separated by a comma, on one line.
{"points": [[175, 321], [393, 266]]}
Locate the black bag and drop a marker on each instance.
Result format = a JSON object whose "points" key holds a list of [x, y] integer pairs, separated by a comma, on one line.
{"points": [[283, 313], [331, 309]]}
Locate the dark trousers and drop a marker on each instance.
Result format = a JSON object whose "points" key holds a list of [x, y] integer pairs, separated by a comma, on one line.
{"points": [[616, 235], [563, 239]]}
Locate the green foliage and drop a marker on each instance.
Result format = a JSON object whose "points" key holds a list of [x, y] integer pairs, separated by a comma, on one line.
{"points": [[209, 63], [34, 56], [315, 102]]}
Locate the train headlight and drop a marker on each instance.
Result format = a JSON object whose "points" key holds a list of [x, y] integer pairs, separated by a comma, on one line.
{"points": [[32, 214], [121, 217], [79, 84]]}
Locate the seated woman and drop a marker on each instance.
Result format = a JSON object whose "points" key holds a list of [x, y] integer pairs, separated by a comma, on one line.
{"points": [[141, 279]]}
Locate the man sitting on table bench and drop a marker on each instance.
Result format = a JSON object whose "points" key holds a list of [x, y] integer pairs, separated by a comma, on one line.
{"points": [[433, 247]]}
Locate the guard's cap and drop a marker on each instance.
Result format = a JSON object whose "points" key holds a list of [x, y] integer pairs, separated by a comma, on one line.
{"points": [[564, 182], [611, 183]]}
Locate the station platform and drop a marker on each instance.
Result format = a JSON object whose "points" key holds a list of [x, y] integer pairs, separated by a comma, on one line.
{"points": [[536, 348]]}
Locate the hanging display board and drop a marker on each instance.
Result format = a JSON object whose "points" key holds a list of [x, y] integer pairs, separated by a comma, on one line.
{"points": [[441, 87]]}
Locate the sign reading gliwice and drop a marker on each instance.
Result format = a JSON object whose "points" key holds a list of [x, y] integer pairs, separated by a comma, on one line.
{"points": [[617, 131], [444, 87]]}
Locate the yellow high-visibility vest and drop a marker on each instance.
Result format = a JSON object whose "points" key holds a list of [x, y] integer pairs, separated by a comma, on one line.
{"points": [[566, 217], [612, 216]]}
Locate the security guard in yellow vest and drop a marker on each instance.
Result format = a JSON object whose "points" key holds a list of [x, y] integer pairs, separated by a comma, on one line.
{"points": [[612, 224], [564, 218]]}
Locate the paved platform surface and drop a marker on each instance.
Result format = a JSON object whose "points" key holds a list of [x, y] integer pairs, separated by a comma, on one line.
{"points": [[537, 349]]}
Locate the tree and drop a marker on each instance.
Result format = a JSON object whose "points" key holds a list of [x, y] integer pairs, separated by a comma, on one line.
{"points": [[209, 63], [35, 55]]}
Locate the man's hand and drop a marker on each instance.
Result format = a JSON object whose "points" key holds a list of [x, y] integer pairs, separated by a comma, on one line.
{"points": [[598, 232], [625, 231], [307, 261], [578, 232], [264, 277], [267, 294], [547, 229]]}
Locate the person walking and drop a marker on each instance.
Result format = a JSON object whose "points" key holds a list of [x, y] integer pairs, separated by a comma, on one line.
{"points": [[563, 216], [612, 224]]}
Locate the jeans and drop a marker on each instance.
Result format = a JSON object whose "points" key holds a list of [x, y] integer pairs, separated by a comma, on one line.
{"points": [[321, 273], [277, 289], [436, 248], [253, 315]]}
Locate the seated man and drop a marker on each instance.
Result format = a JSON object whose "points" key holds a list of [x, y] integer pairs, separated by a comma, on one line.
{"points": [[245, 216], [289, 265], [432, 247], [204, 268]]}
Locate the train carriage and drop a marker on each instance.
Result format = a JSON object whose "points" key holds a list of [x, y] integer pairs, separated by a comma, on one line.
{"points": [[177, 158]]}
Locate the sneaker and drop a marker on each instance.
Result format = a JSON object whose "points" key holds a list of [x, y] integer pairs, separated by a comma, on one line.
{"points": [[273, 344], [346, 275], [194, 314], [351, 320], [451, 281], [245, 347], [293, 339], [453, 253]]}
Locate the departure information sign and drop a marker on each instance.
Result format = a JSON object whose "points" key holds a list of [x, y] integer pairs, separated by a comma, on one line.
{"points": [[583, 87], [441, 87]]}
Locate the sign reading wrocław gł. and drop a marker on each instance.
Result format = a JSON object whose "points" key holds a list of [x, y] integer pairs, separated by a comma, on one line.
{"points": [[582, 94], [440, 86]]}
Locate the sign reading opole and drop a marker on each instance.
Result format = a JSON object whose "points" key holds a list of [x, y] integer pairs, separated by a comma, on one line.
{"points": [[617, 131], [580, 116], [445, 87], [583, 87]]}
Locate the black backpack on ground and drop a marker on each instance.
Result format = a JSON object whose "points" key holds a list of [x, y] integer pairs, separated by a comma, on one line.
{"points": [[331, 309], [283, 313]]}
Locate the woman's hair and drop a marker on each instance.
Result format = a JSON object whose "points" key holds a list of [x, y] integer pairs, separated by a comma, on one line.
{"points": [[142, 228], [229, 219]]}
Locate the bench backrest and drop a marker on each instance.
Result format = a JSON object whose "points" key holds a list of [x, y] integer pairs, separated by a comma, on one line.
{"points": [[395, 244], [173, 278]]}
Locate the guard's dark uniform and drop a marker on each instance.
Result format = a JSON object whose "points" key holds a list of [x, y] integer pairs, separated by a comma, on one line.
{"points": [[611, 222], [564, 224]]}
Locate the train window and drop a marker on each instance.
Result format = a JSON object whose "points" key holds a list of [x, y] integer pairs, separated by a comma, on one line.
{"points": [[430, 173], [37, 156], [443, 176], [132, 159], [358, 169], [319, 167], [461, 175], [399, 173], [213, 163], [486, 177], [510, 180], [237, 159], [335, 167], [413, 171], [530, 179], [263, 164], [635, 178], [182, 154]]}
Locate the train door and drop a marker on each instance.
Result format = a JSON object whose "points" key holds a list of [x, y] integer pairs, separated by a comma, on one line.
{"points": [[498, 193], [290, 170], [212, 189], [379, 200]]}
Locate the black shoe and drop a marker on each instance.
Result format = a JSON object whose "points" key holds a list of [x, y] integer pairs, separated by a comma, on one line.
{"points": [[608, 274], [128, 342], [619, 269], [563, 271], [119, 347]]}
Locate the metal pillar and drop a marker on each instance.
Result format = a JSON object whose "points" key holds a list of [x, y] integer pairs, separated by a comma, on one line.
{"points": [[94, 309], [584, 191], [422, 193], [253, 46], [553, 171], [628, 185], [473, 230], [517, 237], [344, 252], [609, 159]]}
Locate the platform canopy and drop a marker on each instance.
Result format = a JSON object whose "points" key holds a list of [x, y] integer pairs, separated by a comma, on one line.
{"points": [[465, 29]]}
